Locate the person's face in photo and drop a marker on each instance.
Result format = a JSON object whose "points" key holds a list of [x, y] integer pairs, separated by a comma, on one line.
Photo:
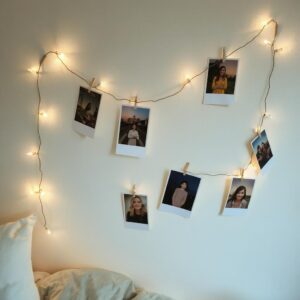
{"points": [[222, 71], [183, 185], [134, 127], [240, 195], [137, 203]]}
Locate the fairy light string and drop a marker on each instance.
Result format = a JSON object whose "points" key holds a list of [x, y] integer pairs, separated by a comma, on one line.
{"points": [[92, 86]]}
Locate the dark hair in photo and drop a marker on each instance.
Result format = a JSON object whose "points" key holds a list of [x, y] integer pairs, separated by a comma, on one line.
{"points": [[240, 188], [187, 184], [219, 72]]}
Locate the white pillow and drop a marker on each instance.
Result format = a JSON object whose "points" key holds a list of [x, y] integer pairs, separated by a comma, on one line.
{"points": [[16, 276]]}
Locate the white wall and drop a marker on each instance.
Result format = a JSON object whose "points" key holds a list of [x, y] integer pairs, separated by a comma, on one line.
{"points": [[147, 47]]}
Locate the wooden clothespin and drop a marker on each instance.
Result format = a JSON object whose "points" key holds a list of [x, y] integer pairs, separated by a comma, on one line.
{"points": [[92, 84], [242, 173], [185, 168], [133, 190], [223, 54], [135, 100]]}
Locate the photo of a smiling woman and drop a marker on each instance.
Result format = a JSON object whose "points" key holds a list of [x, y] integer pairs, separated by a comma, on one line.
{"points": [[137, 210], [237, 200], [239, 196]]}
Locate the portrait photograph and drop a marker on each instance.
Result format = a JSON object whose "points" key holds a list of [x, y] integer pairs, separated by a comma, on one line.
{"points": [[180, 193], [221, 82], [135, 211], [133, 129], [239, 196], [262, 149], [87, 110]]}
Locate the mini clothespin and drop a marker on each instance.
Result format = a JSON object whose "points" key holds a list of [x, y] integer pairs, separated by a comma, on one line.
{"points": [[135, 99], [185, 168], [242, 173], [133, 190], [223, 55], [92, 84]]}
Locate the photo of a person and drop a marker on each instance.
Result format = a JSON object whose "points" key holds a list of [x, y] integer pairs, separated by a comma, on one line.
{"points": [[219, 84], [133, 136], [133, 129], [262, 149], [86, 114], [135, 209], [221, 81], [180, 193], [237, 200], [239, 196]]}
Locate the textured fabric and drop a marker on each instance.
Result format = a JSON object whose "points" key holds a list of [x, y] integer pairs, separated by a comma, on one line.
{"points": [[90, 284], [16, 276], [82, 284]]}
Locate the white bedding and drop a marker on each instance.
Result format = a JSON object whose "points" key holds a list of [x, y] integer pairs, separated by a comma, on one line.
{"points": [[90, 284]]}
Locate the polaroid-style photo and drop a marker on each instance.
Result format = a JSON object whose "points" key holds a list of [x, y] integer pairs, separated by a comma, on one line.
{"points": [[135, 211], [133, 129], [262, 150], [86, 114], [180, 193], [221, 82], [239, 196]]}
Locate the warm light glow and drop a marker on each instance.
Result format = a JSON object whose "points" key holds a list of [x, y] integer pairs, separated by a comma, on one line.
{"points": [[33, 70], [32, 153], [35, 191], [267, 22], [257, 130], [266, 42], [61, 55], [187, 79], [49, 231], [43, 114]]}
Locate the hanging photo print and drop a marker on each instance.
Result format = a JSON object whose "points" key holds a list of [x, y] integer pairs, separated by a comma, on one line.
{"points": [[239, 196], [262, 150], [180, 193], [135, 211], [221, 82], [86, 114], [133, 129]]}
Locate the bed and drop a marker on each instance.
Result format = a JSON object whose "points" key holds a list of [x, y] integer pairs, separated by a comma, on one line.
{"points": [[19, 282]]}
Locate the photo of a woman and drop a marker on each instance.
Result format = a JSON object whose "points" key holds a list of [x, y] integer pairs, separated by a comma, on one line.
{"points": [[237, 200], [221, 81], [180, 194], [219, 84], [137, 210], [133, 136], [239, 196]]}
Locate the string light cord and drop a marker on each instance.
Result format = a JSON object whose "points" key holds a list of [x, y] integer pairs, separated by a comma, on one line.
{"points": [[115, 97]]}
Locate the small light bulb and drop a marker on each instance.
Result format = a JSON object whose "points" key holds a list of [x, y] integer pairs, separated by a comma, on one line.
{"points": [[43, 114], [257, 130], [49, 232], [266, 42], [267, 115], [32, 153], [33, 70], [61, 55], [187, 80]]}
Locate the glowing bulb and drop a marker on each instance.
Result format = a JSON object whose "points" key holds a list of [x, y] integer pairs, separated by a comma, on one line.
{"points": [[61, 55], [37, 191], [257, 130], [187, 80], [49, 232], [43, 114], [265, 23], [266, 42], [33, 70], [32, 153]]}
